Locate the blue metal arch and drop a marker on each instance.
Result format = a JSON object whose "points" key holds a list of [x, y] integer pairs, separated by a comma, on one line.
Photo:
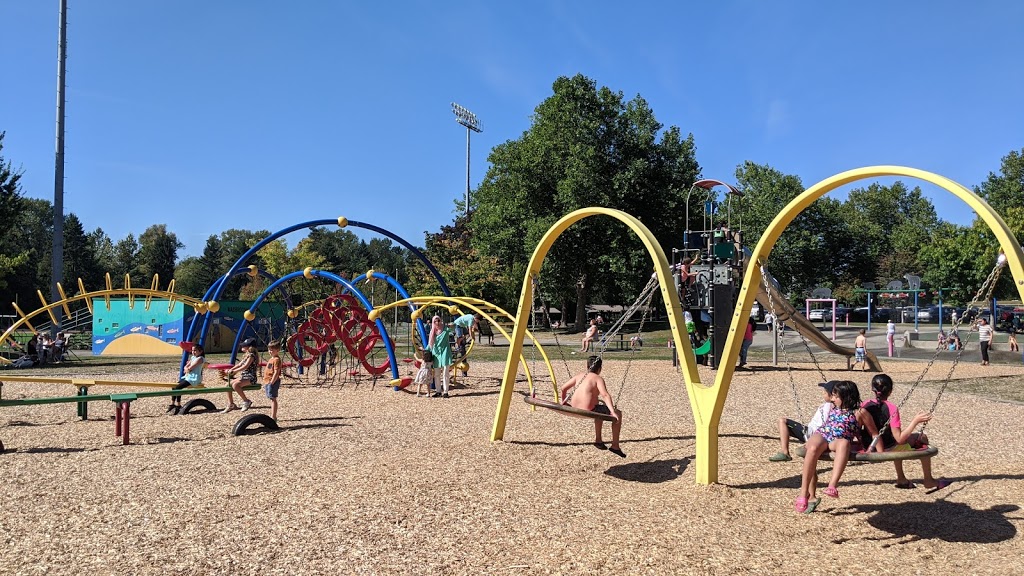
{"points": [[207, 297], [217, 289]]}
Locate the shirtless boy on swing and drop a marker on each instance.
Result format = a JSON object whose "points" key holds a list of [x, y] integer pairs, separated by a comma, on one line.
{"points": [[590, 388]]}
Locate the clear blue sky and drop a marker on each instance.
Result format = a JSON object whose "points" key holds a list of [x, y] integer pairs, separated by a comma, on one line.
{"points": [[209, 115]]}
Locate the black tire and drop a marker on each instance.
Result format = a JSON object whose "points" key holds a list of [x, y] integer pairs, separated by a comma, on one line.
{"points": [[254, 424], [197, 405]]}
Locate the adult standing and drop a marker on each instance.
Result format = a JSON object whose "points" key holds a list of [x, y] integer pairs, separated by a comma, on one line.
{"points": [[890, 334], [748, 339], [984, 339], [441, 347]]}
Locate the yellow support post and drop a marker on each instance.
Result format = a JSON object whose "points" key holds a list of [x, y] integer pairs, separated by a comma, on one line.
{"points": [[47, 307], [81, 291], [63, 299], [170, 298], [110, 288], [24, 318], [153, 287]]}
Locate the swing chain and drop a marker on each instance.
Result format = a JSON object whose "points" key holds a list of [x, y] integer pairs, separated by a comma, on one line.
{"points": [[987, 287], [647, 293], [779, 332], [643, 318], [547, 318]]}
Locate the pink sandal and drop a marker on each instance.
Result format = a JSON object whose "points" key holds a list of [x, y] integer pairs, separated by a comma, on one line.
{"points": [[831, 492], [801, 504]]}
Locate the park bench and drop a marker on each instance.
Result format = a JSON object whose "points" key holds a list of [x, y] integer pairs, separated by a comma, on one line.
{"points": [[122, 401]]}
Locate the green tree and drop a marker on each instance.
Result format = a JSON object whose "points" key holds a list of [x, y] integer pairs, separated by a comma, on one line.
{"points": [[158, 253], [953, 259], [13, 255], [211, 266], [587, 146], [461, 265], [79, 256], [1005, 190], [233, 244], [341, 250], [188, 277], [126, 259], [814, 249], [890, 223], [103, 249]]}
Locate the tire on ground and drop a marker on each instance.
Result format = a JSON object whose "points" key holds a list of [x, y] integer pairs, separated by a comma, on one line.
{"points": [[197, 405], [253, 424]]}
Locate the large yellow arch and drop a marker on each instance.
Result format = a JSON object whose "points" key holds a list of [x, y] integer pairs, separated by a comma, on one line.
{"points": [[752, 277], [707, 402], [702, 399]]}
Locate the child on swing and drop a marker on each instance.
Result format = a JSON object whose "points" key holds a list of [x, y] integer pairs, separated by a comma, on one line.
{"points": [[895, 437], [836, 434]]}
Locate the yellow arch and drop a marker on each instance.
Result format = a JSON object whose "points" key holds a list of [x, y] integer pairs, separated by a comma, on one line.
{"points": [[702, 399], [707, 402], [752, 278], [47, 308], [486, 310]]}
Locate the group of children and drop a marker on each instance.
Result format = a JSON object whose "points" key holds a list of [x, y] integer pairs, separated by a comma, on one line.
{"points": [[239, 376], [843, 424]]}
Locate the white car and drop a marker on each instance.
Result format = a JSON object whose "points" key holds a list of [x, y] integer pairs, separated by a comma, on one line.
{"points": [[816, 314]]}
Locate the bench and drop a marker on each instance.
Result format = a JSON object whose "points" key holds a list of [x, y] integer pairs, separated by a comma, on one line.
{"points": [[122, 401], [485, 330]]}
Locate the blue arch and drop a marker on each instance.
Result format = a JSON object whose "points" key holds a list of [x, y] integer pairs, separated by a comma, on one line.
{"points": [[405, 294], [386, 338], [217, 289], [207, 297]]}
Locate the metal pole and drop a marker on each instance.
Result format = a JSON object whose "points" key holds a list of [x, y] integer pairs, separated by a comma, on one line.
{"points": [[57, 263], [472, 124]]}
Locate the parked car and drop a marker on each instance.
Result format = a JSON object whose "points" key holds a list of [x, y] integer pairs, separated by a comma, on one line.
{"points": [[817, 314], [757, 312], [841, 312]]}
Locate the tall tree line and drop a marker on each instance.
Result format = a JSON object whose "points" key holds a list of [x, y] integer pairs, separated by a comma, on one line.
{"points": [[587, 145]]}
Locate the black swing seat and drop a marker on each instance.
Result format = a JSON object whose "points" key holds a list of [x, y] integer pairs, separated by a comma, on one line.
{"points": [[566, 409], [888, 456]]}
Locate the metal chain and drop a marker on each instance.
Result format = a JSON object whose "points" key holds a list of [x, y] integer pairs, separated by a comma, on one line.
{"points": [[639, 331], [547, 318], [647, 293], [780, 334], [987, 287]]}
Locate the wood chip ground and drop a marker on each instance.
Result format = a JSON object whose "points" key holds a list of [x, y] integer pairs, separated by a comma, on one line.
{"points": [[365, 480]]}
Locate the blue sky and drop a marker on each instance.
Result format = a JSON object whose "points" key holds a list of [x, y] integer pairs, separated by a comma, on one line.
{"points": [[209, 115]]}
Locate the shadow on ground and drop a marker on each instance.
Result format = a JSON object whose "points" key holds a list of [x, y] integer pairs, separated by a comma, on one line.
{"points": [[653, 472], [940, 520]]}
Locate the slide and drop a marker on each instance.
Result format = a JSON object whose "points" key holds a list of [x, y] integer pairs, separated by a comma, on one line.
{"points": [[786, 313]]}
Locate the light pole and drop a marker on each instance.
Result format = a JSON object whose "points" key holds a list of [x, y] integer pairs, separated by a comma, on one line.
{"points": [[472, 124], [57, 254]]}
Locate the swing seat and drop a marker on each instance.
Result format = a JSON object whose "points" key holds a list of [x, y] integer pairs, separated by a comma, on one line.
{"points": [[888, 456], [567, 410]]}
